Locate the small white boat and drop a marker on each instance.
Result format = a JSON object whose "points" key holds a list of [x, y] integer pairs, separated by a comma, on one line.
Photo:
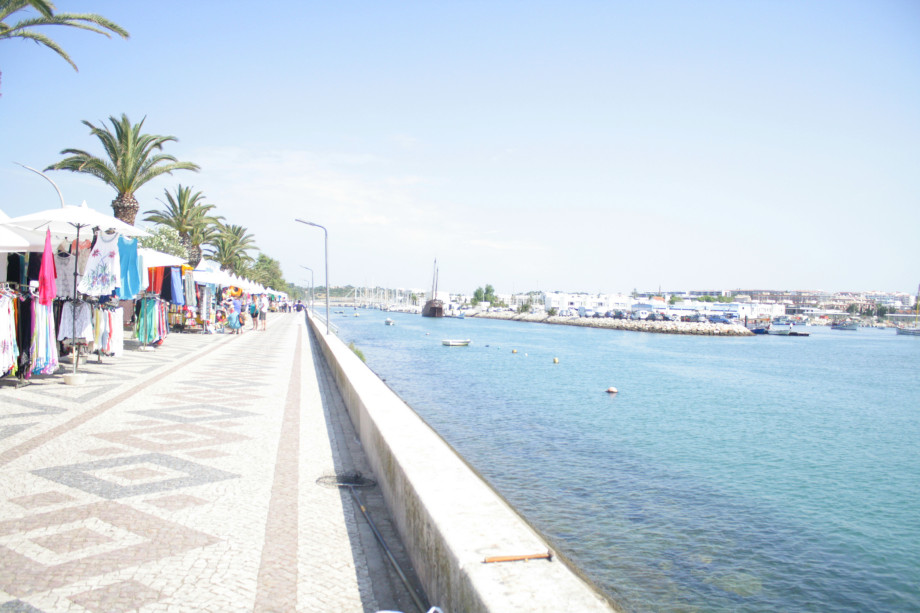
{"points": [[455, 343], [780, 326], [908, 331], [847, 324], [389, 322]]}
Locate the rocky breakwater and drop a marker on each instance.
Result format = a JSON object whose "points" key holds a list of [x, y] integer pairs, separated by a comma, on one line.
{"points": [[660, 327]]}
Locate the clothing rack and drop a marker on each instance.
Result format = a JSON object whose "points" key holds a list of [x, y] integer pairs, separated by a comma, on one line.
{"points": [[14, 290]]}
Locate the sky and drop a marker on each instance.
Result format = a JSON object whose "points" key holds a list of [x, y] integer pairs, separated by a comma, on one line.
{"points": [[556, 146]]}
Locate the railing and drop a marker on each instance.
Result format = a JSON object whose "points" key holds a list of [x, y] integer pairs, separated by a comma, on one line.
{"points": [[320, 317]]}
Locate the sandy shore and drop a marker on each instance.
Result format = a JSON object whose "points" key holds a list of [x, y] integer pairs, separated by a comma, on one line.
{"points": [[660, 327]]}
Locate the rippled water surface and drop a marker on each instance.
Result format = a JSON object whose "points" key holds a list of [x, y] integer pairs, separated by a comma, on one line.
{"points": [[728, 474]]}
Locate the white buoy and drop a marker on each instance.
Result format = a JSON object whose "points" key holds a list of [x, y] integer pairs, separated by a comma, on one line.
{"points": [[555, 360], [611, 390]]}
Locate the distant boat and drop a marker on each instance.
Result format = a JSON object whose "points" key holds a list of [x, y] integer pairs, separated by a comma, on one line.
{"points": [[847, 324], [389, 322], [434, 307], [455, 343], [781, 326], [913, 330]]}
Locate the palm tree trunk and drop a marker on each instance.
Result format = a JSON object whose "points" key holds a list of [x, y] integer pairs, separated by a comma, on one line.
{"points": [[125, 207]]}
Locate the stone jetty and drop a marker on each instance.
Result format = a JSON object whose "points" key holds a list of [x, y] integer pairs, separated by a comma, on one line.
{"points": [[660, 327]]}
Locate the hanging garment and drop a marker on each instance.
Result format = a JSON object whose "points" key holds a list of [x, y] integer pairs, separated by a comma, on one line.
{"points": [[9, 349], [101, 330], [178, 291], [142, 273], [44, 346], [130, 283], [66, 265], [103, 268], [155, 276], [24, 336], [188, 281], [79, 327], [147, 314], [47, 287], [34, 265], [116, 332]]}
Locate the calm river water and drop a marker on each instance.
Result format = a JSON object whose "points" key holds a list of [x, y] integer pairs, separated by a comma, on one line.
{"points": [[729, 474]]}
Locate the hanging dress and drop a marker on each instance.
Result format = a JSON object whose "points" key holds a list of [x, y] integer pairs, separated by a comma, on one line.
{"points": [[130, 283], [9, 349], [47, 286], [66, 264], [103, 268], [44, 346]]}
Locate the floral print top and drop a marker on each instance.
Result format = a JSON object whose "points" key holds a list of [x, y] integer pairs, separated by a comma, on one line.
{"points": [[103, 268]]}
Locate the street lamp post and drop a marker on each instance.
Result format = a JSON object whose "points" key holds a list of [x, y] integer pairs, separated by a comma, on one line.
{"points": [[326, 241], [311, 284]]}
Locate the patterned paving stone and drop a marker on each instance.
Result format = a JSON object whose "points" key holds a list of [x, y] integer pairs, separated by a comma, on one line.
{"points": [[135, 538], [97, 478], [44, 499], [168, 484], [116, 597]]}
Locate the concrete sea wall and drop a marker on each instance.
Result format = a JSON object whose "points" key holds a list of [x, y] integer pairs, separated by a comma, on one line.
{"points": [[661, 327], [449, 518]]}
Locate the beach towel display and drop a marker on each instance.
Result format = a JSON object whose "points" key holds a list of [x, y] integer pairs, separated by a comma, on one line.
{"points": [[103, 268]]}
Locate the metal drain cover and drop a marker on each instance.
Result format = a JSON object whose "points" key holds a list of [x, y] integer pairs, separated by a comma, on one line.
{"points": [[348, 479]]}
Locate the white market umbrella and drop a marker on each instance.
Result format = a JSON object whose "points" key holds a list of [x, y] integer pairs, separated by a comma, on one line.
{"points": [[17, 239], [69, 220], [11, 241]]}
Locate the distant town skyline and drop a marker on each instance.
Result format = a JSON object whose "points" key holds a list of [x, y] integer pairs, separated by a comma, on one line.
{"points": [[581, 146]]}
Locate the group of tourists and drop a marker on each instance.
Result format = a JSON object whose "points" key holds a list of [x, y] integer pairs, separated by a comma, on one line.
{"points": [[237, 311]]}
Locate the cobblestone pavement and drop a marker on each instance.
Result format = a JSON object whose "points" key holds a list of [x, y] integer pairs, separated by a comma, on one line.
{"points": [[185, 479]]}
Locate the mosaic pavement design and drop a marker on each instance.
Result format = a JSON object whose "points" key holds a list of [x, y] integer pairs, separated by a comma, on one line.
{"points": [[164, 486]]}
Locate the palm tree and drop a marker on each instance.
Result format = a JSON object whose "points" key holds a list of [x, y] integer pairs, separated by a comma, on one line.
{"points": [[230, 248], [187, 214], [199, 237], [26, 28], [133, 160]]}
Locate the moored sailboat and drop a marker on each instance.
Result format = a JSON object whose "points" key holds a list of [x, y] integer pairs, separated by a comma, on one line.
{"points": [[434, 307]]}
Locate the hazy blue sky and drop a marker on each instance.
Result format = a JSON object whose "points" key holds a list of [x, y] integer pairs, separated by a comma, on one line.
{"points": [[575, 146]]}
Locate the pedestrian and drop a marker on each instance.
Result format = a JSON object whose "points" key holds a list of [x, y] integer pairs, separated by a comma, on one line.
{"points": [[254, 312], [263, 311], [233, 322]]}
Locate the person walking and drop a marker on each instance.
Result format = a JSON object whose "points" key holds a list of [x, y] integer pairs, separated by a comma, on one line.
{"points": [[263, 311], [254, 312]]}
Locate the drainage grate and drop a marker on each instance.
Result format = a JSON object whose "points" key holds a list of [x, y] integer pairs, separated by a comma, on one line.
{"points": [[350, 479]]}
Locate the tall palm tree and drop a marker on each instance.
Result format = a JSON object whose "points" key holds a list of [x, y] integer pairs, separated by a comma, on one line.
{"points": [[46, 17], [187, 214], [230, 248], [133, 160], [199, 237]]}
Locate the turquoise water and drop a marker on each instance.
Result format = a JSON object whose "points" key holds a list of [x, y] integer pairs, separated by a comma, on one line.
{"points": [[728, 474]]}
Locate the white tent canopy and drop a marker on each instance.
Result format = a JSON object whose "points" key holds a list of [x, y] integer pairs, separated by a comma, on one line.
{"points": [[155, 259]]}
